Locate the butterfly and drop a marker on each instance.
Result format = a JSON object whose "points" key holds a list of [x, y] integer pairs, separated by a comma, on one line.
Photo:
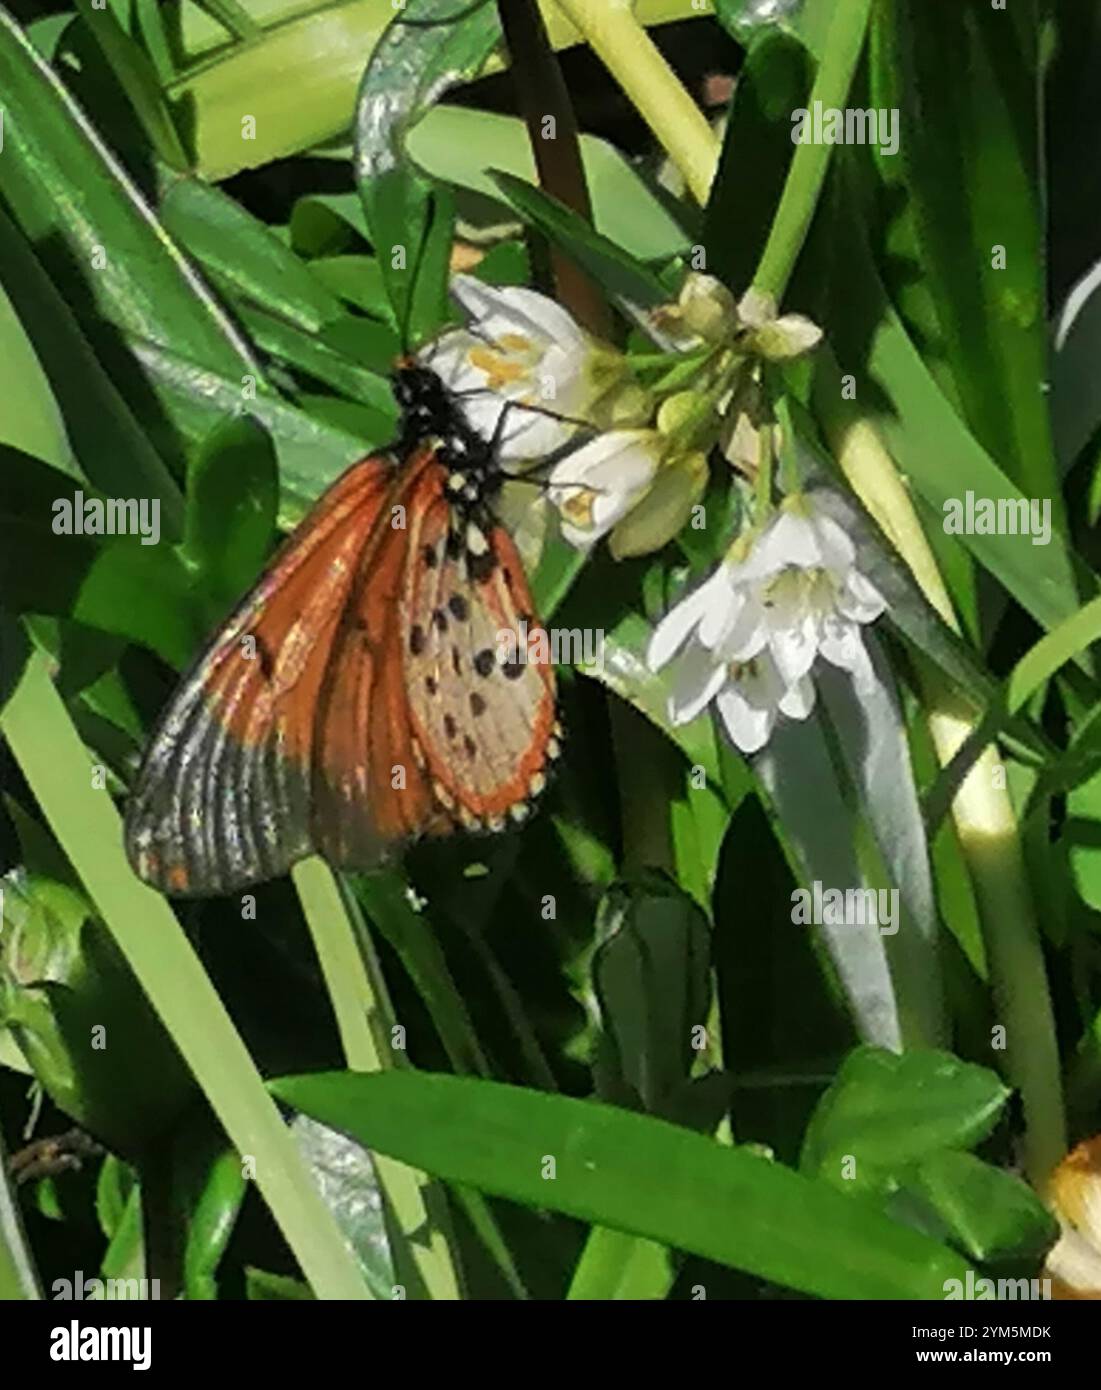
{"points": [[363, 693]]}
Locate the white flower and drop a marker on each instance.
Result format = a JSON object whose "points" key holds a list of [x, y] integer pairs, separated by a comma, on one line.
{"points": [[776, 338], [800, 594], [754, 695], [751, 633], [748, 693], [520, 346], [704, 312], [597, 484]]}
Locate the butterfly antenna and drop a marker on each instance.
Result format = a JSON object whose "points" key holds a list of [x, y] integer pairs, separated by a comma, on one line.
{"points": [[586, 425]]}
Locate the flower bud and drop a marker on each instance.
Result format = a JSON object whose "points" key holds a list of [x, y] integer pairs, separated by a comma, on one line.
{"points": [[664, 508]]}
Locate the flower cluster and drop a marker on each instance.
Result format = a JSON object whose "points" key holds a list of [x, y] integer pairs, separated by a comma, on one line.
{"points": [[748, 637], [632, 464], [524, 350]]}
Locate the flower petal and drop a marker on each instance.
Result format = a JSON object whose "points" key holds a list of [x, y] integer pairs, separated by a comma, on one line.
{"points": [[793, 646], [749, 726], [860, 599], [515, 309], [798, 702], [843, 646], [837, 550], [595, 485], [698, 681], [748, 635], [671, 632], [789, 539]]}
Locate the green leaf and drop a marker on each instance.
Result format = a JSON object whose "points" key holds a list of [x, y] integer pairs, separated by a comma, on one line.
{"points": [[310, 354], [105, 249], [64, 979], [262, 1287], [411, 221], [929, 442], [18, 1275], [618, 1266], [29, 417], [54, 763], [1082, 840], [619, 273], [166, 620], [913, 617], [153, 29], [783, 1026], [137, 78], [970, 77], [210, 1186], [887, 1112], [357, 279], [311, 453], [651, 977], [472, 148], [632, 1173], [757, 150], [325, 50], [246, 256], [232, 495], [90, 579], [100, 436], [1063, 644], [385, 899], [991, 1214], [624, 670], [113, 1187], [234, 17]]}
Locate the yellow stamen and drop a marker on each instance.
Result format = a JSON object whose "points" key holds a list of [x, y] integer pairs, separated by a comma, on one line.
{"points": [[499, 370], [578, 507]]}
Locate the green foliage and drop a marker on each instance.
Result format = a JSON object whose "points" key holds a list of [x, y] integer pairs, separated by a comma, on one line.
{"points": [[580, 1059]]}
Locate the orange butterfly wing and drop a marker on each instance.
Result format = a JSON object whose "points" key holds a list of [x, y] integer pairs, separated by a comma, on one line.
{"points": [[354, 698], [224, 795], [417, 735], [484, 726]]}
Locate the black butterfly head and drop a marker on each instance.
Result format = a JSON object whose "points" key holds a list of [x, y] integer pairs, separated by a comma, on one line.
{"points": [[430, 411]]}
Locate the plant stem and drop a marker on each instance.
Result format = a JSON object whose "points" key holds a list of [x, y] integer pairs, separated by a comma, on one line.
{"points": [[982, 811], [18, 1275], [364, 1016], [636, 63], [810, 162], [542, 95], [616, 1264]]}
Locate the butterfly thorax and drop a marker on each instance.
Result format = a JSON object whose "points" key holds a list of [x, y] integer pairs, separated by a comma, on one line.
{"points": [[431, 415]]}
